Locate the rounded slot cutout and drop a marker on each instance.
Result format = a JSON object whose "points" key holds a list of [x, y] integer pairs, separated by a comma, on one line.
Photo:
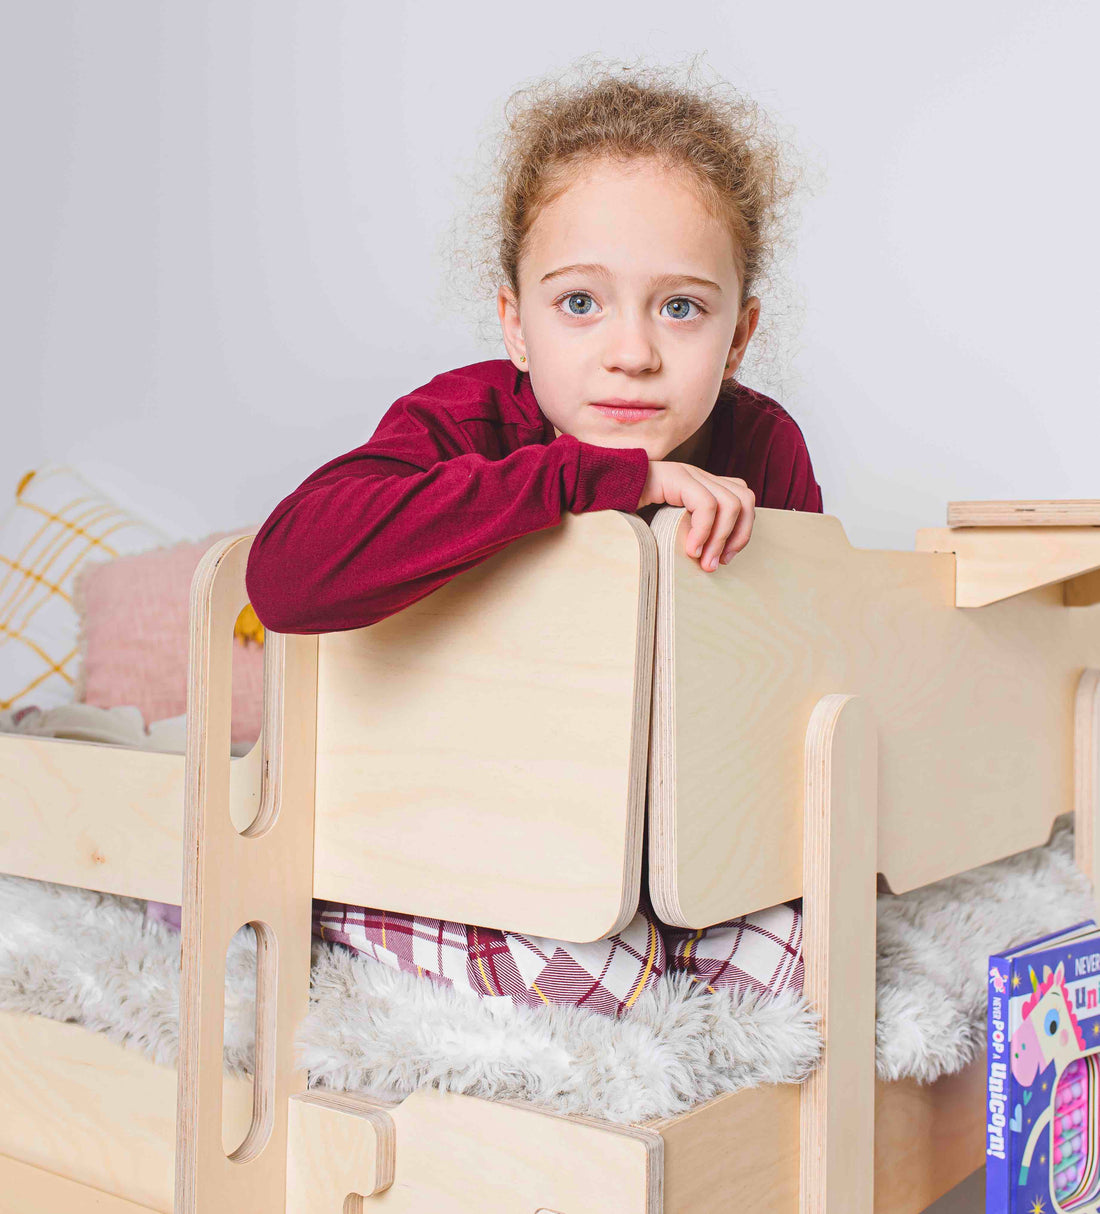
{"points": [[249, 1038]]}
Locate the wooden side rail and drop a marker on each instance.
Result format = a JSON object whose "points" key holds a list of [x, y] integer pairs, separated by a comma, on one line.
{"points": [[260, 873], [974, 710], [481, 754], [446, 1152], [837, 1119], [100, 816]]}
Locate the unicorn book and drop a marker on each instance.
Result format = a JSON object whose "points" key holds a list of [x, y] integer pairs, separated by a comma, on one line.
{"points": [[1043, 1079]]}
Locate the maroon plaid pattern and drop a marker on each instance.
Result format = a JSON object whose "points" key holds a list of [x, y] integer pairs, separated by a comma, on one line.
{"points": [[605, 976], [761, 952]]}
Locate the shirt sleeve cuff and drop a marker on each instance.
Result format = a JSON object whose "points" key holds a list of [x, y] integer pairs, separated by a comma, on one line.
{"points": [[609, 478]]}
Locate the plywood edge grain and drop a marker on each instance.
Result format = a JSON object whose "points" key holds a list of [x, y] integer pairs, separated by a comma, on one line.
{"points": [[837, 1113], [1043, 512], [663, 886], [645, 628]]}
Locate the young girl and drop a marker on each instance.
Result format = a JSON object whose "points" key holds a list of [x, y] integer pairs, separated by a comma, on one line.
{"points": [[635, 216]]}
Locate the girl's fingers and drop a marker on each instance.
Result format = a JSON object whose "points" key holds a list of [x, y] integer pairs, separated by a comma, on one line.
{"points": [[721, 509], [702, 504], [739, 537], [723, 518]]}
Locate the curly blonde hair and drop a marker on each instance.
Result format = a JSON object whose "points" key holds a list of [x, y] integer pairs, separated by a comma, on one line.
{"points": [[598, 109]]}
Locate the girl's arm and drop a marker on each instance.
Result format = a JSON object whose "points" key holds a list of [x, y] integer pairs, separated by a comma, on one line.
{"points": [[386, 524]]}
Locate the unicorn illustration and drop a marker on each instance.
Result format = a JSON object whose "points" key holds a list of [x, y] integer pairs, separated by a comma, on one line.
{"points": [[1050, 1033]]}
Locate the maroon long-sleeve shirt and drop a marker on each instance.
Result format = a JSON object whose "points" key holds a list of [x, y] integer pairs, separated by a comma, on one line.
{"points": [[458, 469]]}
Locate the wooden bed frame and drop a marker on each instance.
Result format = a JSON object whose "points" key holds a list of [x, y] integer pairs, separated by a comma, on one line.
{"points": [[810, 720]]}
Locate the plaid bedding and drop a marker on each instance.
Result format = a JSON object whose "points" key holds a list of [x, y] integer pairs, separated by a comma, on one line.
{"points": [[761, 953], [758, 953], [606, 976]]}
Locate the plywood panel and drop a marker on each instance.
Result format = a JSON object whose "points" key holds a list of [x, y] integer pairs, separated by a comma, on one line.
{"points": [[27, 1190], [975, 711], [76, 1104], [339, 1147], [468, 1156], [82, 813], [928, 1138], [102, 817], [438, 1152], [741, 1151], [481, 754], [994, 563]]}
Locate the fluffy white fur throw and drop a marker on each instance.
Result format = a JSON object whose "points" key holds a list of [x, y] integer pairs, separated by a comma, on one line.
{"points": [[934, 945], [91, 958]]}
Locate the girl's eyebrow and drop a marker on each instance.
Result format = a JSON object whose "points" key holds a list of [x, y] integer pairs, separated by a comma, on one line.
{"points": [[660, 280]]}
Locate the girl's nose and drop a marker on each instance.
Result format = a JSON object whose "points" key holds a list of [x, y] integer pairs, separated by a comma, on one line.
{"points": [[630, 349]]}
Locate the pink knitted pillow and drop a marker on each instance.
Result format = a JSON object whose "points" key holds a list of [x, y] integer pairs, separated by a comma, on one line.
{"points": [[134, 637]]}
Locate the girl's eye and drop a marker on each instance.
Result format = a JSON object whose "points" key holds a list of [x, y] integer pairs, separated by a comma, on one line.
{"points": [[680, 309], [580, 303], [575, 303]]}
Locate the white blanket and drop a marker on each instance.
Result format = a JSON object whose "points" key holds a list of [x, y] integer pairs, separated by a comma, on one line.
{"points": [[76, 955], [123, 726]]}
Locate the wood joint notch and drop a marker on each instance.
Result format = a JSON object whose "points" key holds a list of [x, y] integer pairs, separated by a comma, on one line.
{"points": [[1003, 549], [341, 1150]]}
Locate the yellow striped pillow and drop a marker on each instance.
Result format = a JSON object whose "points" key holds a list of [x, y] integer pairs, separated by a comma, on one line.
{"points": [[58, 523]]}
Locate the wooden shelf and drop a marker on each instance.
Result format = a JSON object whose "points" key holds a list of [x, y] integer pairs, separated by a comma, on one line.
{"points": [[1083, 513], [1007, 548]]}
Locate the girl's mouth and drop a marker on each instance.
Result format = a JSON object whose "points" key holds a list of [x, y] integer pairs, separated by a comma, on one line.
{"points": [[626, 410]]}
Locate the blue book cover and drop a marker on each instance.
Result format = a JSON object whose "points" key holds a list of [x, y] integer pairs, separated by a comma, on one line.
{"points": [[1043, 1076]]}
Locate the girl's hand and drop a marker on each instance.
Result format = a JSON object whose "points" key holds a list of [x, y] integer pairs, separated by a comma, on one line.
{"points": [[722, 508]]}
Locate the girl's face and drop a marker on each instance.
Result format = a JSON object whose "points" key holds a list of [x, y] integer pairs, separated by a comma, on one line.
{"points": [[629, 293]]}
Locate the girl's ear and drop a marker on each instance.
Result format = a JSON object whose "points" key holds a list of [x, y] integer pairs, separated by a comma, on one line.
{"points": [[742, 335], [508, 311]]}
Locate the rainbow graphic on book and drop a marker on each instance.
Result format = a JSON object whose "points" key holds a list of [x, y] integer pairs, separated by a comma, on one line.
{"points": [[1075, 1169]]}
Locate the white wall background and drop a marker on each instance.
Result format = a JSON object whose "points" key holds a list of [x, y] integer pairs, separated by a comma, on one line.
{"points": [[222, 223]]}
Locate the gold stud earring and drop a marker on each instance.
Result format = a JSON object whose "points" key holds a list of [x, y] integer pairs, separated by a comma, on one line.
{"points": [[523, 358]]}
